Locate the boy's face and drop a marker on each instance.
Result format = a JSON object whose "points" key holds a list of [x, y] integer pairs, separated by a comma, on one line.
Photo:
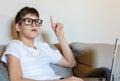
{"points": [[28, 27]]}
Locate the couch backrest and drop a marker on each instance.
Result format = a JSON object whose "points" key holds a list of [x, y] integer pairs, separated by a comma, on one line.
{"points": [[98, 53], [90, 56], [2, 49]]}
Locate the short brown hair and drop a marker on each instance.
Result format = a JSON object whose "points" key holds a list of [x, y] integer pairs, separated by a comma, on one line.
{"points": [[24, 11]]}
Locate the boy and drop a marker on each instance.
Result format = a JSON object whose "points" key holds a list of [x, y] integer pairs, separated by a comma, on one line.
{"points": [[28, 59]]}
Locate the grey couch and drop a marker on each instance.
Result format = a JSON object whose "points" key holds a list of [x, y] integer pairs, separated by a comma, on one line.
{"points": [[88, 57]]}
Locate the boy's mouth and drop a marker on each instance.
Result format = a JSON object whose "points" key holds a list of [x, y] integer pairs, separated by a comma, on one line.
{"points": [[33, 30]]}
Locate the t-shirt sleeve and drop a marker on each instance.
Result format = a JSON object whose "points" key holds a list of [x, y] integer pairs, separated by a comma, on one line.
{"points": [[54, 54], [13, 48], [56, 57]]}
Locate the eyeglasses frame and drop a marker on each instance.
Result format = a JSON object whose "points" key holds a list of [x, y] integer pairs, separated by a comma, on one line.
{"points": [[33, 20]]}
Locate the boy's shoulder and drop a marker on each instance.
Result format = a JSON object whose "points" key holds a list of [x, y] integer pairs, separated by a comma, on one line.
{"points": [[14, 43]]}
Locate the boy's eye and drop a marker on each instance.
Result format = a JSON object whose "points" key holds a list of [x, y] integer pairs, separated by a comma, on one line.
{"points": [[38, 21], [28, 21]]}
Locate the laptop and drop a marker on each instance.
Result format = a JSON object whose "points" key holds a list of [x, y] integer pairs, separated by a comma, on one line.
{"points": [[113, 60], [111, 78]]}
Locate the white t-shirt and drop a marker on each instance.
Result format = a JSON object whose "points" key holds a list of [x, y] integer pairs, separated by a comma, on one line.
{"points": [[34, 62]]}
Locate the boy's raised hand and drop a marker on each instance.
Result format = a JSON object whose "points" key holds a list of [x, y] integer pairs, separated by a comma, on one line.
{"points": [[57, 27]]}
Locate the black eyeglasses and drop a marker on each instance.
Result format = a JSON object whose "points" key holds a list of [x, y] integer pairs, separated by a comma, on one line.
{"points": [[29, 21]]}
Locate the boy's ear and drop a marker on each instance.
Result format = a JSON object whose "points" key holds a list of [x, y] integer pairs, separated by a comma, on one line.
{"points": [[17, 26]]}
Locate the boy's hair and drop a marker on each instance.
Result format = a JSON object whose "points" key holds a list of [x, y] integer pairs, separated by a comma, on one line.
{"points": [[24, 11]]}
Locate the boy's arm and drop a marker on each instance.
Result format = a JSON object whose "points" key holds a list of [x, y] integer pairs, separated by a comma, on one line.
{"points": [[14, 69], [68, 59]]}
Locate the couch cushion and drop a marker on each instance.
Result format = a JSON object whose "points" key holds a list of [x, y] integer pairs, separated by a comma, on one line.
{"points": [[3, 70], [60, 70], [3, 73]]}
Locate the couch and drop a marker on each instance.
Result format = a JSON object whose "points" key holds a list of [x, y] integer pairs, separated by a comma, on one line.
{"points": [[88, 56]]}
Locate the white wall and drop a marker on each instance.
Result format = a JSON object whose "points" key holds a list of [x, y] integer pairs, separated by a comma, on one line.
{"points": [[89, 21]]}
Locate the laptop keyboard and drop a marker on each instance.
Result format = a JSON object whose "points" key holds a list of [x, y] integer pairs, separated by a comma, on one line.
{"points": [[94, 79]]}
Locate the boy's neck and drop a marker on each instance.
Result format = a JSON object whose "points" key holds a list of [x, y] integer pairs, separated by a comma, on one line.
{"points": [[28, 42]]}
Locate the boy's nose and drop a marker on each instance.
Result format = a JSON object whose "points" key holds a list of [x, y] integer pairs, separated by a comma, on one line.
{"points": [[33, 24]]}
